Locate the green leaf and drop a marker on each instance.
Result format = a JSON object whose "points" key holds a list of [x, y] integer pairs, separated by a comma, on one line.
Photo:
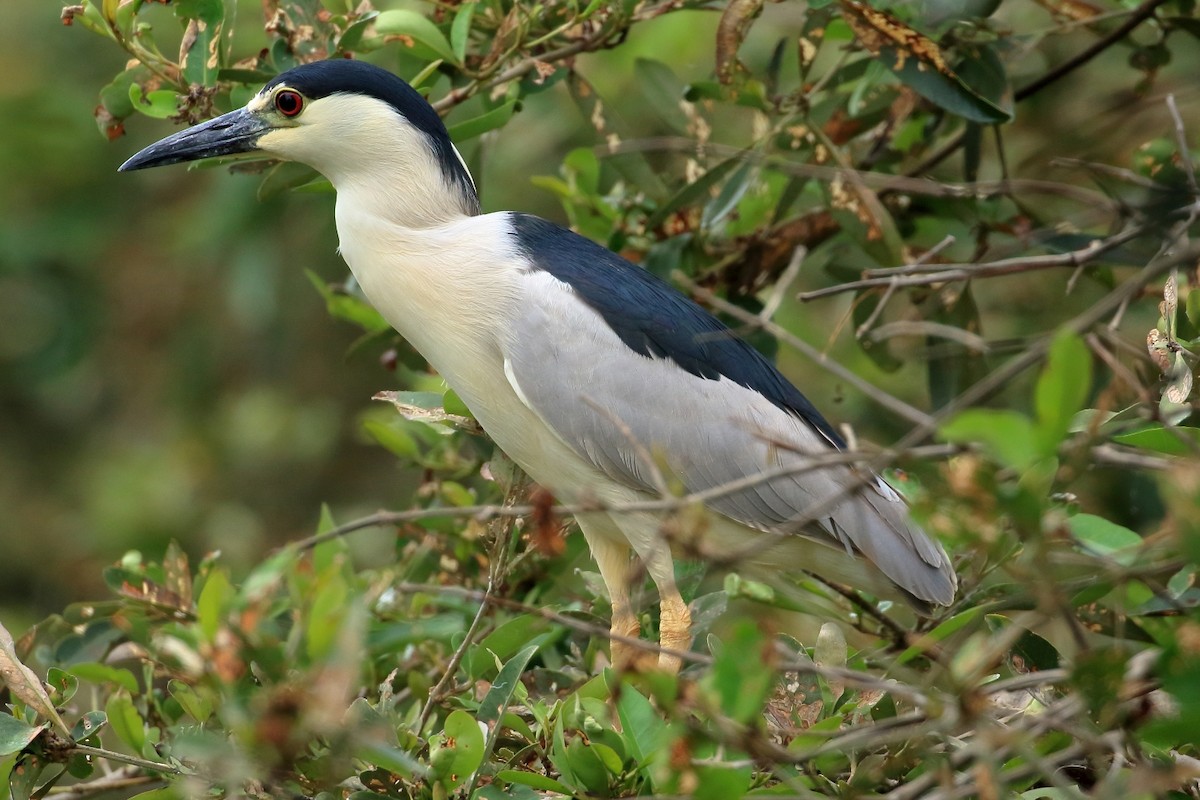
{"points": [[587, 767], [390, 758], [664, 91], [740, 675], [28, 772], [393, 436], [15, 734], [535, 780], [453, 404], [328, 551], [197, 705], [500, 694], [504, 642], [403, 22], [460, 30], [492, 707], [952, 365], [89, 725], [213, 602], [722, 781], [249, 76], [983, 72], [115, 97], [945, 89], [207, 11], [942, 632], [195, 59], [163, 793], [1172, 441], [1031, 651], [730, 195], [354, 32], [1062, 388], [693, 193], [391, 636], [126, 722], [1106, 538], [477, 126], [348, 307], [326, 615], [160, 104], [64, 685], [286, 176], [94, 672], [1006, 436], [642, 728], [463, 738]]}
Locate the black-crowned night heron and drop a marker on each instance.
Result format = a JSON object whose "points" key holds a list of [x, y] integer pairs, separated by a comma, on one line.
{"points": [[598, 379]]}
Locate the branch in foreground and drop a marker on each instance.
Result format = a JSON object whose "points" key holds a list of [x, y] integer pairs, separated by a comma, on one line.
{"points": [[925, 275]]}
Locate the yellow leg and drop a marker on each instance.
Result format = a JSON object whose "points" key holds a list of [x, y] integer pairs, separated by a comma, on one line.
{"points": [[613, 560], [675, 621]]}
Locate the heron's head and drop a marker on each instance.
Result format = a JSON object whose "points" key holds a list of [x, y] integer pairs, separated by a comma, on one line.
{"points": [[353, 122]]}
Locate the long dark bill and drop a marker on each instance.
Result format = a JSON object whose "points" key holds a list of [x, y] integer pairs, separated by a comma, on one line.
{"points": [[235, 132]]}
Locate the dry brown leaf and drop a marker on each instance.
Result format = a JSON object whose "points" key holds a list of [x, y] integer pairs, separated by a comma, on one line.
{"points": [[1077, 10], [877, 29], [24, 684], [413, 412], [731, 31], [547, 532]]}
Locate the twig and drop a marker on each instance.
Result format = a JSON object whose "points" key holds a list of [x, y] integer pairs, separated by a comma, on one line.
{"points": [[152, 766], [882, 183], [486, 512], [921, 275], [775, 298], [851, 677], [1136, 18], [972, 341], [604, 37], [1027, 681], [1185, 152], [924, 258], [124, 778]]}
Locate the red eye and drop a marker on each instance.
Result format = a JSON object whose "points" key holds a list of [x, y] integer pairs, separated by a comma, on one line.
{"points": [[289, 103]]}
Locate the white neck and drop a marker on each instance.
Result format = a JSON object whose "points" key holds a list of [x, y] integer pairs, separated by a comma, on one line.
{"points": [[376, 160]]}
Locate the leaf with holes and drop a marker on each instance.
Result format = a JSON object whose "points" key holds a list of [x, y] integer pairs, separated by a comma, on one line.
{"points": [[459, 752]]}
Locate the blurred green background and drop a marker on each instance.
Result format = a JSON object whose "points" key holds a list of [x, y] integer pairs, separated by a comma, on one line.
{"points": [[167, 370]]}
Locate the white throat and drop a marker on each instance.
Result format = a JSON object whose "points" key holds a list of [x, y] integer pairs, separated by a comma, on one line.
{"points": [[376, 160]]}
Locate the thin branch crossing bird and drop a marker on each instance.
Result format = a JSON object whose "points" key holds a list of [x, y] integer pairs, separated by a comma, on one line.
{"points": [[600, 380]]}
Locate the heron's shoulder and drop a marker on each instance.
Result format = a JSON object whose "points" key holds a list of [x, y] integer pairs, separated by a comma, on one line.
{"points": [[654, 319]]}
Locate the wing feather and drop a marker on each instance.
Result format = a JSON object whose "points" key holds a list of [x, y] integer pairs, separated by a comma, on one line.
{"points": [[576, 368]]}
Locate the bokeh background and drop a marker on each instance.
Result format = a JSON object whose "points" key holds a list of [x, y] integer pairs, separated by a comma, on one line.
{"points": [[167, 371]]}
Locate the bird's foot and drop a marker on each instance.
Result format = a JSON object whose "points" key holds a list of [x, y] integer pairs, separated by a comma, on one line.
{"points": [[627, 655], [675, 633]]}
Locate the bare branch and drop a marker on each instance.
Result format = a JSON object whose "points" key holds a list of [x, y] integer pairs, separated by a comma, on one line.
{"points": [[1136, 18]]}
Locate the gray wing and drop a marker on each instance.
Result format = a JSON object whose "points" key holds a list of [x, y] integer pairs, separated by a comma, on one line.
{"points": [[613, 406]]}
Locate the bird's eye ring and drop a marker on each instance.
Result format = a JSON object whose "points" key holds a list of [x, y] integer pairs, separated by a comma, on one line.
{"points": [[289, 102]]}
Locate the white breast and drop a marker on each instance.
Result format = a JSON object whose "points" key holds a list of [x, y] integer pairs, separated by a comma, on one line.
{"points": [[454, 292]]}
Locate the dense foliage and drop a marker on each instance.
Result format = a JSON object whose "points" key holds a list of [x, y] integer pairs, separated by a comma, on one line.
{"points": [[838, 147]]}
